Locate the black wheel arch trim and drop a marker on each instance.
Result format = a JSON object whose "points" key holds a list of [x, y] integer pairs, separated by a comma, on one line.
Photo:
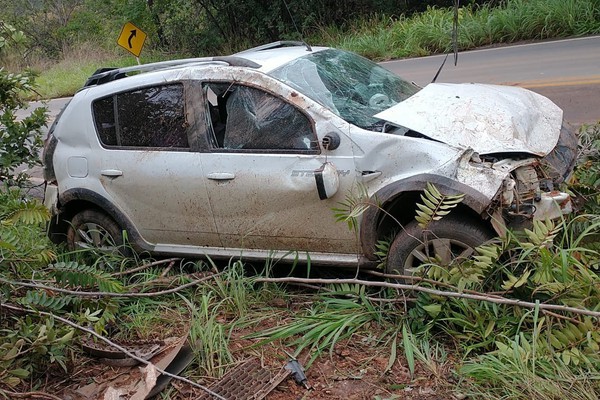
{"points": [[106, 206], [473, 199]]}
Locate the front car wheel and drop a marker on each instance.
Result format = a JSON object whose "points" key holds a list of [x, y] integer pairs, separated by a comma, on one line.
{"points": [[444, 242]]}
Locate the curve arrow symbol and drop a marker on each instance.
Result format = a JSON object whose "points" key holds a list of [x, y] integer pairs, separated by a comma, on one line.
{"points": [[131, 36]]}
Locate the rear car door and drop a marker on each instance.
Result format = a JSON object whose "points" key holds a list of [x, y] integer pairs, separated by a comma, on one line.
{"points": [[150, 167]]}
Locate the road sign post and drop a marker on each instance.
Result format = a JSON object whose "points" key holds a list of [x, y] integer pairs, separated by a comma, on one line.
{"points": [[132, 39]]}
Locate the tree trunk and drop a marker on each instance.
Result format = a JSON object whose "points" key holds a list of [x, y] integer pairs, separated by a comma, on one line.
{"points": [[160, 33]]}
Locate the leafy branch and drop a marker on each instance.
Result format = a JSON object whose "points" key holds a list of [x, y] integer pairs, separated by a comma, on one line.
{"points": [[435, 205]]}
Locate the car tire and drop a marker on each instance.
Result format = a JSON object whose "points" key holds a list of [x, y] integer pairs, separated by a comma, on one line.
{"points": [[451, 239], [92, 229]]}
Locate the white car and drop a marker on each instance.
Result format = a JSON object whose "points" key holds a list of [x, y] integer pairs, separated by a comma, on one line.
{"points": [[248, 155]]}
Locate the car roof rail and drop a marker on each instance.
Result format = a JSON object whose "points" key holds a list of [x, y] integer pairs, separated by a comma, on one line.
{"points": [[104, 75], [276, 45]]}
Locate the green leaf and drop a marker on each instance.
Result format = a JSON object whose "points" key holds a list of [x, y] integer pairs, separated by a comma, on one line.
{"points": [[433, 309], [19, 373], [409, 351], [434, 205], [489, 328], [523, 279], [566, 357]]}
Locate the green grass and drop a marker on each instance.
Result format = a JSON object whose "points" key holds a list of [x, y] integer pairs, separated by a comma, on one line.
{"points": [[430, 32], [328, 322], [64, 77], [208, 335], [63, 80], [517, 374]]}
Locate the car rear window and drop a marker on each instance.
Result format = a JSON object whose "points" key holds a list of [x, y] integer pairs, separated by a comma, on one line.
{"points": [[146, 117]]}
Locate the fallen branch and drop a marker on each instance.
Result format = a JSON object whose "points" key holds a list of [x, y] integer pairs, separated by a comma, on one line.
{"points": [[353, 295], [112, 344], [471, 296], [144, 266], [414, 278], [108, 294], [31, 395], [166, 270], [416, 288]]}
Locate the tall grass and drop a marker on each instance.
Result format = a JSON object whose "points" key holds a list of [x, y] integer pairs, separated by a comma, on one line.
{"points": [[430, 32], [329, 321], [64, 77], [517, 374], [208, 335]]}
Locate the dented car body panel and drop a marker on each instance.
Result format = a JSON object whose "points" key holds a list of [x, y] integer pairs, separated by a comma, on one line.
{"points": [[248, 155]]}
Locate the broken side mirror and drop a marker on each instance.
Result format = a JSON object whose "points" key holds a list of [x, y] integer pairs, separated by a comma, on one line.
{"points": [[328, 180], [331, 141]]}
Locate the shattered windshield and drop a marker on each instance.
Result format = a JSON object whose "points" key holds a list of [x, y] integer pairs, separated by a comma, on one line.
{"points": [[349, 85]]}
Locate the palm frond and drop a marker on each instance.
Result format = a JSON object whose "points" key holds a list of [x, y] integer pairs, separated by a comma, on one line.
{"points": [[435, 205]]}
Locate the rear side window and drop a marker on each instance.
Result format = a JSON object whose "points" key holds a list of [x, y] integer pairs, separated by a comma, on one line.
{"points": [[147, 117]]}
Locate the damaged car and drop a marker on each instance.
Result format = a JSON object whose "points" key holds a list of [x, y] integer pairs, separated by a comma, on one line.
{"points": [[247, 155]]}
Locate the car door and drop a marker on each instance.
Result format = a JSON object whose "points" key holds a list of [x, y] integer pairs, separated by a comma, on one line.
{"points": [[149, 166], [263, 151]]}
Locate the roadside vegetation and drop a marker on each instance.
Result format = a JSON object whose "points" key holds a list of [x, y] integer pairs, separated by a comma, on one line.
{"points": [[65, 42], [520, 321]]}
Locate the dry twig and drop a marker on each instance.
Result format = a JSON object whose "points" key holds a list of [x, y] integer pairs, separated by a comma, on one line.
{"points": [[32, 395], [108, 294], [144, 266]]}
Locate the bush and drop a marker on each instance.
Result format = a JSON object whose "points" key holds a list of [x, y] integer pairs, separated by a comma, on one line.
{"points": [[21, 139]]}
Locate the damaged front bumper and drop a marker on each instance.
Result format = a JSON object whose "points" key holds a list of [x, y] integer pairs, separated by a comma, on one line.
{"points": [[553, 205], [525, 188], [536, 191]]}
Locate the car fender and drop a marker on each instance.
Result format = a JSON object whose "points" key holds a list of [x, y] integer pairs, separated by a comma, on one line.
{"points": [[89, 196], [473, 199]]}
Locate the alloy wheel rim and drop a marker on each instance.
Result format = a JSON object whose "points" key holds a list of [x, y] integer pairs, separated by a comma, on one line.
{"points": [[93, 236], [442, 251]]}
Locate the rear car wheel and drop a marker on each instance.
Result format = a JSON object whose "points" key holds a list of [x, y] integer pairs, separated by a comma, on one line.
{"points": [[446, 241], [92, 229]]}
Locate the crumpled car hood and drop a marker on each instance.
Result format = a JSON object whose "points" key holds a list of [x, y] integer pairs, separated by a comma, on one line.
{"points": [[486, 118]]}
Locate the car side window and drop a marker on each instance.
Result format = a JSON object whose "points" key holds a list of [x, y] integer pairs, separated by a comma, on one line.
{"points": [[247, 118], [147, 117]]}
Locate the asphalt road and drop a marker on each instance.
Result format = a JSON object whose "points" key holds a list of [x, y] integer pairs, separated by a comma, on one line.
{"points": [[566, 71]]}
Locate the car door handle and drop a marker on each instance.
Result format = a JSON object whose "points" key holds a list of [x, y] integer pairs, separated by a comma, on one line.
{"points": [[220, 176], [113, 173]]}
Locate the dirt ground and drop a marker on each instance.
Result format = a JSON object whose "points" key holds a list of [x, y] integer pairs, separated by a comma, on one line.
{"points": [[357, 368], [353, 371]]}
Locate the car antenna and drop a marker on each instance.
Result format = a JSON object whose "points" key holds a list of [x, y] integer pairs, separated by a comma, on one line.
{"points": [[308, 48], [454, 40]]}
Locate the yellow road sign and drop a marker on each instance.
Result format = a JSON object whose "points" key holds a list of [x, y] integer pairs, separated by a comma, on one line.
{"points": [[132, 39]]}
